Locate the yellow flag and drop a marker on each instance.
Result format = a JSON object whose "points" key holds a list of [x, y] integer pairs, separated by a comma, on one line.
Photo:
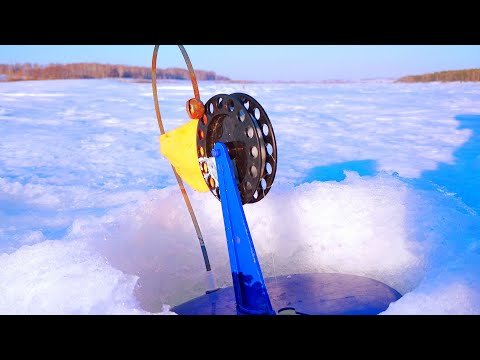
{"points": [[179, 146]]}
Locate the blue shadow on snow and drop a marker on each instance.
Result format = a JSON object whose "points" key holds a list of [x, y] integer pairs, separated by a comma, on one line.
{"points": [[336, 171], [463, 176]]}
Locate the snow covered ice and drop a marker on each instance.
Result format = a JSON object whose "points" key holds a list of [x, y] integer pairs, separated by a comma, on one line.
{"points": [[373, 179]]}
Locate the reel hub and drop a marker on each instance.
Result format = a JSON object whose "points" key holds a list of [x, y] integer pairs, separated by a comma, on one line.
{"points": [[241, 123]]}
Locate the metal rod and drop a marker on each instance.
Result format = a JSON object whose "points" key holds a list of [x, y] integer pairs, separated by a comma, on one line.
{"points": [[162, 131]]}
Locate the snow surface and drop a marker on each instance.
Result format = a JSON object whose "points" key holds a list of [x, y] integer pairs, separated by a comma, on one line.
{"points": [[373, 179]]}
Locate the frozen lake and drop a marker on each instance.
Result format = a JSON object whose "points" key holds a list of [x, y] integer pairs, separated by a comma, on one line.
{"points": [[373, 179]]}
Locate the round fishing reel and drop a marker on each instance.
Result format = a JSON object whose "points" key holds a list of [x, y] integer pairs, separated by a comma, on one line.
{"points": [[241, 123]]}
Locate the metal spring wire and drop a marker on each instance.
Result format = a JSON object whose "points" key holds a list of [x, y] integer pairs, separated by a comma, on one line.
{"points": [[162, 131]]}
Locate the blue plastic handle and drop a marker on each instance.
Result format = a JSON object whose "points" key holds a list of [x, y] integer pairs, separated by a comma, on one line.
{"points": [[250, 291]]}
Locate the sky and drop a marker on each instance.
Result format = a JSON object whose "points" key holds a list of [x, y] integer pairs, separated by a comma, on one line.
{"points": [[373, 179], [267, 62]]}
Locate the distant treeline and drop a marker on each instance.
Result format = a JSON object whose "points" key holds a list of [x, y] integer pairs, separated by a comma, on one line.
{"points": [[29, 71], [444, 76]]}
